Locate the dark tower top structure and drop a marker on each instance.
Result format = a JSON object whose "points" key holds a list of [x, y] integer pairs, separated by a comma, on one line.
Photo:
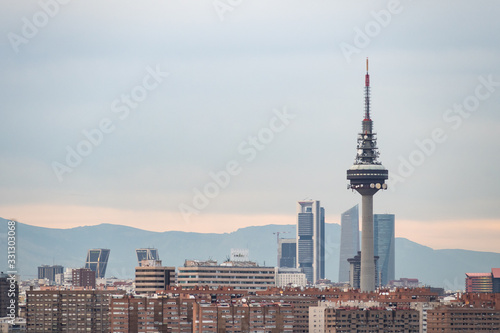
{"points": [[367, 175]]}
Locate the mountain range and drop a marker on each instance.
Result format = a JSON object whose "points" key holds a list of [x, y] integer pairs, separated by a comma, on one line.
{"points": [[38, 246]]}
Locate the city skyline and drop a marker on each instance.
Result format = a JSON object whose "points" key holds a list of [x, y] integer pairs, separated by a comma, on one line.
{"points": [[255, 106]]}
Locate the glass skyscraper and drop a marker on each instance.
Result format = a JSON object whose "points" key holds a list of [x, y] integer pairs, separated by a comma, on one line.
{"points": [[97, 261], [146, 254], [311, 239], [287, 253], [384, 243], [349, 240]]}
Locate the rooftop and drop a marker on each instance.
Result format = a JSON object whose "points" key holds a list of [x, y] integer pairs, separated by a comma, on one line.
{"points": [[478, 274]]}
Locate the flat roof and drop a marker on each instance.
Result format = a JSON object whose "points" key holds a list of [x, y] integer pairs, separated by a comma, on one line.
{"points": [[495, 272], [478, 274]]}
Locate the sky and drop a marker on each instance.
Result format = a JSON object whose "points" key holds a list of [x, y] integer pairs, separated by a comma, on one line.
{"points": [[213, 115]]}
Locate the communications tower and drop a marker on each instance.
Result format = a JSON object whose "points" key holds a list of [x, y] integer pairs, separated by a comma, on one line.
{"points": [[367, 176]]}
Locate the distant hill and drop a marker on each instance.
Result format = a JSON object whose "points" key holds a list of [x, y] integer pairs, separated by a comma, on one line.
{"points": [[68, 247]]}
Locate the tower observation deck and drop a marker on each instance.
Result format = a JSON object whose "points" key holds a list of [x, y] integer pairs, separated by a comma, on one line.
{"points": [[367, 175]]}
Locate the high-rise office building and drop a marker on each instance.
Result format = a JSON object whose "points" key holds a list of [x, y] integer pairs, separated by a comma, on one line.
{"points": [[97, 261], [146, 254], [49, 272], [311, 239], [355, 270], [367, 175], [349, 240], [287, 252], [384, 247]]}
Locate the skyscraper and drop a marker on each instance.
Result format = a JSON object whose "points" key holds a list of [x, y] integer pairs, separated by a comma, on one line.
{"points": [[384, 241], [349, 240], [287, 252], [311, 239], [146, 254], [97, 261], [367, 176]]}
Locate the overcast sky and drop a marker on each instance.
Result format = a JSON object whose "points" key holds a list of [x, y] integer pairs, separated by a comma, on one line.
{"points": [[125, 111]]}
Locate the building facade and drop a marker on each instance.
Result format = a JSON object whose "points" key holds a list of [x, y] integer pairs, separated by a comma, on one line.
{"points": [[349, 240], [151, 276], [384, 247], [9, 295], [83, 277], [361, 320], [290, 277], [448, 319], [68, 311], [146, 254], [49, 272], [239, 275], [287, 253], [97, 261], [243, 317], [478, 283], [355, 270], [495, 276], [153, 314], [311, 239]]}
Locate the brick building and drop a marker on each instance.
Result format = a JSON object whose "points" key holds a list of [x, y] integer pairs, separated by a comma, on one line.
{"points": [[74, 310], [243, 316], [83, 277], [154, 314], [447, 319], [363, 320]]}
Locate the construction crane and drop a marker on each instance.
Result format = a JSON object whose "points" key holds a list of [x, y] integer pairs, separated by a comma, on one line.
{"points": [[277, 233]]}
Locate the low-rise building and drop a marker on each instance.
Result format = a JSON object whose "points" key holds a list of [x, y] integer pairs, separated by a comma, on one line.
{"points": [[478, 283], [294, 277], [245, 275], [151, 276]]}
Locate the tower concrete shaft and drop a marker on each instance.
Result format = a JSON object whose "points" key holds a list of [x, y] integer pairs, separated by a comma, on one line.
{"points": [[367, 279]]}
